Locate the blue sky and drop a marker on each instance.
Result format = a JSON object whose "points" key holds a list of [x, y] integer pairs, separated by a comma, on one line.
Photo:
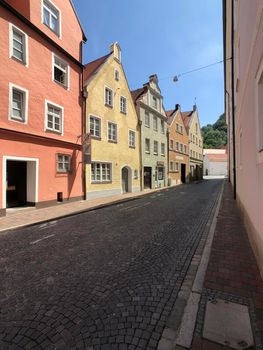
{"points": [[166, 37]]}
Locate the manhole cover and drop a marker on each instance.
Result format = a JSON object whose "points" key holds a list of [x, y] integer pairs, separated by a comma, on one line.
{"points": [[228, 324]]}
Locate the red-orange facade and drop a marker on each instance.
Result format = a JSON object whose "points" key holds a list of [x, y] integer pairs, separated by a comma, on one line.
{"points": [[41, 106]]}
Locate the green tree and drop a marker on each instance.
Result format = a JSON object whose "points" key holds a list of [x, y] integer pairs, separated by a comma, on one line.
{"points": [[215, 135]]}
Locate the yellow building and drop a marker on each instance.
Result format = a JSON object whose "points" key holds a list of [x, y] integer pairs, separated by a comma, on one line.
{"points": [[112, 122]]}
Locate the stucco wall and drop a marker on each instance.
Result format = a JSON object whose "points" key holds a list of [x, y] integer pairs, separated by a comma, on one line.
{"points": [[119, 154]]}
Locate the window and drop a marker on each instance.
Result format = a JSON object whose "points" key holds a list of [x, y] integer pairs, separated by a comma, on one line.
{"points": [[171, 166], [123, 105], [63, 163], [193, 138], [199, 143], [177, 127], [18, 44], [147, 145], [95, 126], [191, 153], [135, 174], [101, 172], [155, 123], [54, 118], [181, 147], [181, 129], [112, 132], [147, 119], [162, 127], [177, 146], [51, 16], [171, 144], [176, 166], [160, 174], [154, 102], [131, 138], [18, 103], [155, 147], [185, 149], [60, 71], [108, 97], [196, 128], [162, 149], [116, 74]]}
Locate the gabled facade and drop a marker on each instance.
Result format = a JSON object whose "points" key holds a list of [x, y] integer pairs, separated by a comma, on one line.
{"points": [[243, 55], [192, 125], [149, 106], [178, 145], [112, 123], [40, 108]]}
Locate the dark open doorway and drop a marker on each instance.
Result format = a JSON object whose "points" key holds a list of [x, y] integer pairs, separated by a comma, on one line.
{"points": [[147, 177], [16, 178], [183, 173]]}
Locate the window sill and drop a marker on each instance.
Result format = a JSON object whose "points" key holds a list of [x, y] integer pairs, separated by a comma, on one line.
{"points": [[112, 141], [156, 154], [60, 84], [96, 137], [53, 31], [125, 113], [18, 120], [101, 182], [53, 131], [23, 62], [147, 126], [107, 105], [163, 155], [147, 152], [132, 147]]}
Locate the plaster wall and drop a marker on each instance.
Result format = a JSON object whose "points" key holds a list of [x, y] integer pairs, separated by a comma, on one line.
{"points": [[118, 154]]}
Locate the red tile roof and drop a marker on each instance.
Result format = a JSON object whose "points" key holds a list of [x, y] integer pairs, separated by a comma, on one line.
{"points": [[137, 93], [217, 157], [186, 118], [92, 67]]}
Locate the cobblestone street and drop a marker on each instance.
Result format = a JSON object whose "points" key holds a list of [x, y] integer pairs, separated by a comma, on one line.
{"points": [[105, 279]]}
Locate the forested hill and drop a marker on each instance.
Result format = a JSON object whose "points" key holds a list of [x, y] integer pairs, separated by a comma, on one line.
{"points": [[215, 135]]}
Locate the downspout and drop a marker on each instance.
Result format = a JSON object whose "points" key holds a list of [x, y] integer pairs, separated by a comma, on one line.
{"points": [[233, 98], [83, 128]]}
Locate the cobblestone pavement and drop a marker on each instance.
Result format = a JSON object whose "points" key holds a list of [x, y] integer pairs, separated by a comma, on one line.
{"points": [[105, 279]]}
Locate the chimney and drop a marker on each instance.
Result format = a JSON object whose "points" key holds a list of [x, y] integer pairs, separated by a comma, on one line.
{"points": [[194, 107], [153, 78], [177, 106], [115, 48]]}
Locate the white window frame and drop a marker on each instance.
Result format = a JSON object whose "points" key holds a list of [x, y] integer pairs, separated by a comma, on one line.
{"points": [[99, 119], [177, 146], [149, 119], [110, 140], [123, 106], [106, 102], [155, 118], [67, 72], [149, 141], [162, 148], [100, 180], [154, 144], [129, 139], [64, 170], [177, 166], [25, 103], [46, 128], [51, 4], [25, 60], [154, 102]]}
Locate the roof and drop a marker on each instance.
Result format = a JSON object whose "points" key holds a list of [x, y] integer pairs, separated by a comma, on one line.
{"points": [[187, 118], [170, 116], [137, 93], [92, 67], [217, 157]]}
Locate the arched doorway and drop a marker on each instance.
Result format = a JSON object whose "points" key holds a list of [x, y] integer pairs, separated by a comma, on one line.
{"points": [[126, 179]]}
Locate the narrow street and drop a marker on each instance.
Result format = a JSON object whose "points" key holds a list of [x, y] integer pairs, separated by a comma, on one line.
{"points": [[105, 279]]}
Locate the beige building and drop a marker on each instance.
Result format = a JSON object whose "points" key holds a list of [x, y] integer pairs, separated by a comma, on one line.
{"points": [[112, 123], [243, 55], [192, 125]]}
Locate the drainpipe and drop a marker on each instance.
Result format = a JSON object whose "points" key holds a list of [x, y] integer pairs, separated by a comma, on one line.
{"points": [[83, 131], [233, 98]]}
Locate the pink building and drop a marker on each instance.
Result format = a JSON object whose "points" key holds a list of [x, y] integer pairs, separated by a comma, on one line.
{"points": [[41, 107], [243, 44]]}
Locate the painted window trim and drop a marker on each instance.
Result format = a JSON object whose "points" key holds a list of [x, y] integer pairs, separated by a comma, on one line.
{"points": [[67, 86], [100, 119], [106, 104], [48, 102], [149, 125], [154, 143], [59, 34], [25, 61], [154, 116], [103, 181], [126, 106], [163, 153], [26, 94], [148, 152], [70, 163], [110, 122], [132, 130]]}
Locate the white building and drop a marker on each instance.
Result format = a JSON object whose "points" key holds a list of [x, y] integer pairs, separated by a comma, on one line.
{"points": [[215, 162]]}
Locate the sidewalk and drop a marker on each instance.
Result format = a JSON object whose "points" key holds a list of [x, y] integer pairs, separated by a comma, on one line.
{"points": [[232, 276], [29, 216]]}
